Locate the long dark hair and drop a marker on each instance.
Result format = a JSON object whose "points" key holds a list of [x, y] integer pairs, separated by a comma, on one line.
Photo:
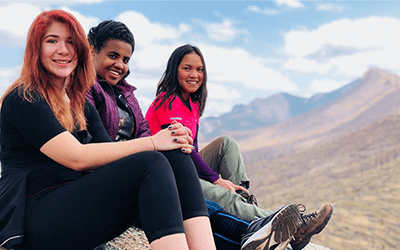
{"points": [[169, 81], [99, 36]]}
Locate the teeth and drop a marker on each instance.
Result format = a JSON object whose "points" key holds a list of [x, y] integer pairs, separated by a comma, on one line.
{"points": [[61, 62], [114, 72]]}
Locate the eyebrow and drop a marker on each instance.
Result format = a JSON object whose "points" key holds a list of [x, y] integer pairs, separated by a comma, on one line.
{"points": [[50, 36], [56, 36]]}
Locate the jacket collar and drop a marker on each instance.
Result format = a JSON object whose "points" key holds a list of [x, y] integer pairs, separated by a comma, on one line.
{"points": [[122, 85]]}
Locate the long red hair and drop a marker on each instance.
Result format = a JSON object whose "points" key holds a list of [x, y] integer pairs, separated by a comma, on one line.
{"points": [[35, 78]]}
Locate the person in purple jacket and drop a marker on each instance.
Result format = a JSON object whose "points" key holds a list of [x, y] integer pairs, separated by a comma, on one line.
{"points": [[112, 46]]}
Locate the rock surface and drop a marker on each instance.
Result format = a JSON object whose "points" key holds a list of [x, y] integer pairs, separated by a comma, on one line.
{"points": [[135, 239]]}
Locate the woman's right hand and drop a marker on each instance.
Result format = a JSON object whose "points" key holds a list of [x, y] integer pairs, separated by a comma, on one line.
{"points": [[176, 136]]}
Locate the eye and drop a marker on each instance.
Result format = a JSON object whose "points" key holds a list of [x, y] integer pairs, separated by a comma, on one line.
{"points": [[112, 56], [186, 68], [126, 60], [51, 41], [70, 42], [200, 69]]}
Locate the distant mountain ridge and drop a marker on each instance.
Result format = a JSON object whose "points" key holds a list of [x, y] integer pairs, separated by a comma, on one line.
{"points": [[268, 111], [374, 97]]}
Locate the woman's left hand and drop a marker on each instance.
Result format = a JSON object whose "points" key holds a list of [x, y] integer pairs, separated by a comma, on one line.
{"points": [[227, 184]]}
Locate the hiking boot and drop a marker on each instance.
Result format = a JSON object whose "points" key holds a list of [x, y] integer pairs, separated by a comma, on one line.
{"points": [[311, 224], [274, 231]]}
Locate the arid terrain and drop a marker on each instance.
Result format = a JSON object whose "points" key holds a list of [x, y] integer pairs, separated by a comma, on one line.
{"points": [[358, 173], [347, 153]]}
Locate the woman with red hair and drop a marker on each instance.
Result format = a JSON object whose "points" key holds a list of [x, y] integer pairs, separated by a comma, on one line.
{"points": [[64, 183]]}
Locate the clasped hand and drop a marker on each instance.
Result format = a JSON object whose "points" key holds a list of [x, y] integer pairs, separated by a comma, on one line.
{"points": [[176, 136]]}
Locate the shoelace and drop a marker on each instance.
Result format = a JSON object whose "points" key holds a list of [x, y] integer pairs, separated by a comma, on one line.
{"points": [[306, 217]]}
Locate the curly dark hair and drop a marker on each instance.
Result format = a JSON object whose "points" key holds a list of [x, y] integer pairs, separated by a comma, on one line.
{"points": [[98, 36]]}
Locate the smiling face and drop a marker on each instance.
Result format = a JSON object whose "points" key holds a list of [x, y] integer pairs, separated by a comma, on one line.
{"points": [[112, 61], [58, 52], [190, 74]]}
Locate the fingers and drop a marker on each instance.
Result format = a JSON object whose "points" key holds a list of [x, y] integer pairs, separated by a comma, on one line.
{"points": [[187, 150], [241, 188], [177, 128]]}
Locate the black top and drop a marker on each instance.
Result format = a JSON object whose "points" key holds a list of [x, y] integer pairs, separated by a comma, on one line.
{"points": [[25, 128], [126, 125]]}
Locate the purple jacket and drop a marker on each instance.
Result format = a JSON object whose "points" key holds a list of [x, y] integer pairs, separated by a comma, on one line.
{"points": [[101, 95]]}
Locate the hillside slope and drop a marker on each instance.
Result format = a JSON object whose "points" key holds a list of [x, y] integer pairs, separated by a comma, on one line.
{"points": [[358, 172]]}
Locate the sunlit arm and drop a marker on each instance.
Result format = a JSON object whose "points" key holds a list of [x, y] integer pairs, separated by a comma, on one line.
{"points": [[69, 152]]}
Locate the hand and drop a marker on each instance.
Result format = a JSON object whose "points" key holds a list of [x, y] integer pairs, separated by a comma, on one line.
{"points": [[181, 127], [176, 136], [227, 184]]}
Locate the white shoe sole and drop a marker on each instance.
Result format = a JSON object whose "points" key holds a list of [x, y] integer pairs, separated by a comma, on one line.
{"points": [[278, 232]]}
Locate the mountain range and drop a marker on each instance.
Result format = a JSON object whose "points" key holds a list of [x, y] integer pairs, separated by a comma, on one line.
{"points": [[345, 151], [271, 110]]}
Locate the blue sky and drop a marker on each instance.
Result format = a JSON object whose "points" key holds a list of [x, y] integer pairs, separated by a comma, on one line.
{"points": [[253, 49]]}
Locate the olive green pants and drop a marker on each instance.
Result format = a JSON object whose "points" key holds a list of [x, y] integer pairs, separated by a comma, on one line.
{"points": [[223, 156]]}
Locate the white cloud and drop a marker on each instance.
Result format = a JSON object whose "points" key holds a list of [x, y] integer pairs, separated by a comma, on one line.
{"points": [[238, 66], [14, 35], [217, 107], [305, 65], [152, 58], [290, 3], [256, 9], [326, 85], [215, 90], [344, 46], [87, 22], [146, 32], [222, 32], [330, 7], [7, 76], [13, 28]]}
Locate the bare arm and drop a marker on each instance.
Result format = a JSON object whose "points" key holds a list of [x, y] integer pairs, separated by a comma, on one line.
{"points": [[69, 152]]}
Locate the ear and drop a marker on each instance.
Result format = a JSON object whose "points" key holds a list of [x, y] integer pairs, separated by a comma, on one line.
{"points": [[93, 52]]}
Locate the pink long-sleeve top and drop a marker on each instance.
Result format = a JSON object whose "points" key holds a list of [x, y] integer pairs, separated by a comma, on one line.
{"points": [[163, 116]]}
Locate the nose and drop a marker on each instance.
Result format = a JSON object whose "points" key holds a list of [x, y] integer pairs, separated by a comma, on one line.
{"points": [[193, 74], [63, 49], [119, 64]]}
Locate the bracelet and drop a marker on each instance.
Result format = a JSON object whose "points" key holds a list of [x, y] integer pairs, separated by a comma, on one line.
{"points": [[151, 139]]}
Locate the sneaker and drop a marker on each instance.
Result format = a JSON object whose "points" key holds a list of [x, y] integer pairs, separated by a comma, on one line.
{"points": [[311, 224], [274, 231]]}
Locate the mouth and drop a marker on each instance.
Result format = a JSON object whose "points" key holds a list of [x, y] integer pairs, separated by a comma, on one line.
{"points": [[62, 61], [114, 72]]}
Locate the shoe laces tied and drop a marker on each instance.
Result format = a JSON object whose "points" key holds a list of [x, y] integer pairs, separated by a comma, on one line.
{"points": [[308, 217]]}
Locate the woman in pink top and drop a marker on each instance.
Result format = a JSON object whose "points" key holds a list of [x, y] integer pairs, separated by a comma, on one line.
{"points": [[181, 96]]}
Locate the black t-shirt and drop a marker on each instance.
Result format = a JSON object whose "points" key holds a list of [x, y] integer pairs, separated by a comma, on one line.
{"points": [[126, 126], [24, 128]]}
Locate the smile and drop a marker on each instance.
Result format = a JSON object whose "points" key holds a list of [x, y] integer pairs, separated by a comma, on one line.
{"points": [[116, 73], [62, 62]]}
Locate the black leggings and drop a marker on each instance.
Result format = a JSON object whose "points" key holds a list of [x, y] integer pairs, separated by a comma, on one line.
{"points": [[155, 191]]}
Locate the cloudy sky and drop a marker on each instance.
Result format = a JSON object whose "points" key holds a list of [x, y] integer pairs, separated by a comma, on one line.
{"points": [[253, 49]]}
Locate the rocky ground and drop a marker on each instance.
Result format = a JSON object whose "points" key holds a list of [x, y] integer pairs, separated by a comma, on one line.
{"points": [[134, 239]]}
